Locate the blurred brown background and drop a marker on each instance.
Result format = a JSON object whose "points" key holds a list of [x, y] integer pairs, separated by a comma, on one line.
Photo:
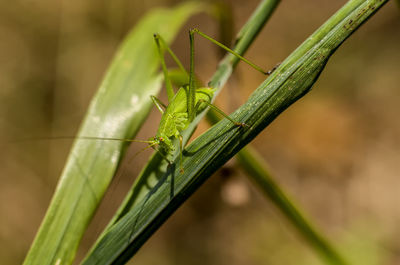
{"points": [[336, 151]]}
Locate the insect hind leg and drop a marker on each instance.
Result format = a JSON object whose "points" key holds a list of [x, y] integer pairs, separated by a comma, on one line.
{"points": [[162, 46], [256, 67], [221, 112]]}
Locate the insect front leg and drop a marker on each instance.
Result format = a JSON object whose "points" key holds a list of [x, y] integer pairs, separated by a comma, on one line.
{"points": [[161, 154]]}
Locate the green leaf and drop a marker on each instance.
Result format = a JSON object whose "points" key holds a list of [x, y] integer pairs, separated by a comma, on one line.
{"points": [[117, 111], [293, 79]]}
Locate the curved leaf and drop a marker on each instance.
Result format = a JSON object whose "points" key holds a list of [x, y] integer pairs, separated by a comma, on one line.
{"points": [[117, 111]]}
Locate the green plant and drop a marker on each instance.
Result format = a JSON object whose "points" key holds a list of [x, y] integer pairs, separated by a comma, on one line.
{"points": [[147, 207]]}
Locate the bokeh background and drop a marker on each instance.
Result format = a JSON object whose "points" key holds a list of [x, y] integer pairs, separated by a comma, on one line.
{"points": [[336, 151]]}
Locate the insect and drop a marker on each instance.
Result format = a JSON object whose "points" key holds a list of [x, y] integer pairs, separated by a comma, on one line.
{"points": [[187, 102], [184, 105]]}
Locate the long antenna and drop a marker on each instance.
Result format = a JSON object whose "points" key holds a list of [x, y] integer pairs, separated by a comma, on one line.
{"points": [[81, 138]]}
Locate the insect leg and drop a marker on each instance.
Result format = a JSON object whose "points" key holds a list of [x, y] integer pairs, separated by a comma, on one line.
{"points": [[180, 154], [273, 69], [158, 104], [191, 94], [161, 154], [168, 84], [174, 57], [229, 50], [240, 124]]}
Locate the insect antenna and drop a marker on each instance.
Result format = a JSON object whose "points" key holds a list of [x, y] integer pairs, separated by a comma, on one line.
{"points": [[123, 172], [80, 138], [151, 144]]}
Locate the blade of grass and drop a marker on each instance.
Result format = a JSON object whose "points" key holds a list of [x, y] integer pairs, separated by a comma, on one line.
{"points": [[117, 111], [293, 79], [258, 172]]}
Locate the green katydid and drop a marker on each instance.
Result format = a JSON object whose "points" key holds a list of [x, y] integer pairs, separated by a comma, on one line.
{"points": [[187, 102], [184, 105]]}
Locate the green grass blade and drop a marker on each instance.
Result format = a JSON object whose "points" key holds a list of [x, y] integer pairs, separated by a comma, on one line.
{"points": [[258, 172], [208, 152], [117, 111]]}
